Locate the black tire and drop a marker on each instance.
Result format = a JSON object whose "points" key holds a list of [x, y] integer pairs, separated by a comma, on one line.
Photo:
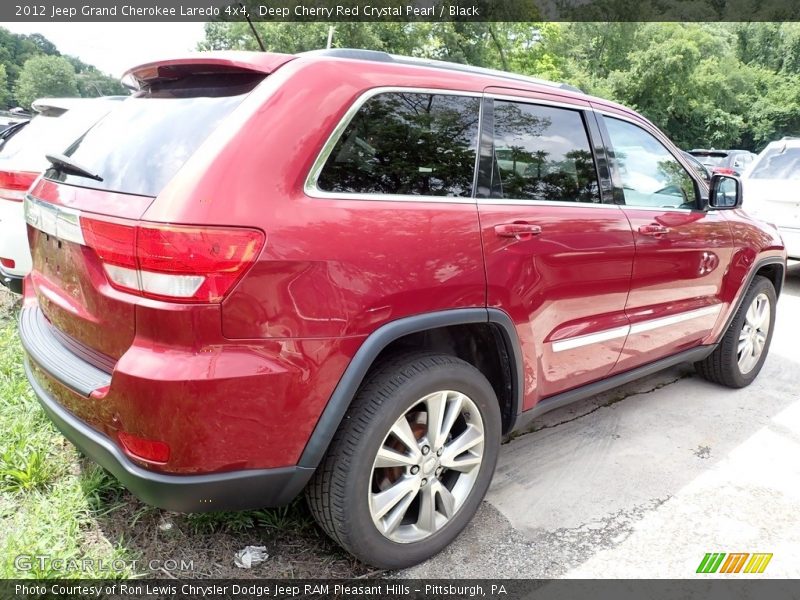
{"points": [[338, 493], [722, 365]]}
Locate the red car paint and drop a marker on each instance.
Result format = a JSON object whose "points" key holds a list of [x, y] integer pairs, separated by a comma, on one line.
{"points": [[241, 384]]}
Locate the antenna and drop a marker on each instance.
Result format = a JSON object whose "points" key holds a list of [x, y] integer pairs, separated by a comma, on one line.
{"points": [[252, 28]]}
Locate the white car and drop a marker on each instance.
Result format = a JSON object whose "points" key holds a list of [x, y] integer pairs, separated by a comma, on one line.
{"points": [[57, 123], [772, 190]]}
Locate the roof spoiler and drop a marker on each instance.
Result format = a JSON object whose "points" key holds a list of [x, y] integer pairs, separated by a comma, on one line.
{"points": [[207, 63]]}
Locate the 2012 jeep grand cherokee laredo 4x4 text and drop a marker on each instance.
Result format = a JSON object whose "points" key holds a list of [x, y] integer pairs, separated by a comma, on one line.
{"points": [[352, 273]]}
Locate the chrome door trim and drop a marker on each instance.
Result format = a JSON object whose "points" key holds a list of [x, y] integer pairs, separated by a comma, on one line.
{"points": [[641, 327]]}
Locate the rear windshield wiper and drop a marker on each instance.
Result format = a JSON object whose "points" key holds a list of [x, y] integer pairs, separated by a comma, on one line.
{"points": [[66, 165]]}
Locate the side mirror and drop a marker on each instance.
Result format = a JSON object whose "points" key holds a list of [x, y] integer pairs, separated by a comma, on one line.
{"points": [[725, 192]]}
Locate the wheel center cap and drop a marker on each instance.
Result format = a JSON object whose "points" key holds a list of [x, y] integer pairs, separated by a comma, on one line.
{"points": [[429, 465]]}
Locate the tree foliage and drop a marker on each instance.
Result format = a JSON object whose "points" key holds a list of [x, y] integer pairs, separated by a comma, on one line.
{"points": [[704, 84], [43, 76], [63, 75]]}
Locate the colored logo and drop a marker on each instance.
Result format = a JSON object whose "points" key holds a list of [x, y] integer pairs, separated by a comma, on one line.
{"points": [[736, 562]]}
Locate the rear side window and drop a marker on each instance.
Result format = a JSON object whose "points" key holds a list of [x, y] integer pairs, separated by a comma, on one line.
{"points": [[406, 144], [542, 153], [139, 146]]}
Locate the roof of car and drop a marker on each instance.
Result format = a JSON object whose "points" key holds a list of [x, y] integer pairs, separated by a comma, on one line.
{"points": [[56, 106], [267, 62], [716, 152], [375, 55], [794, 142]]}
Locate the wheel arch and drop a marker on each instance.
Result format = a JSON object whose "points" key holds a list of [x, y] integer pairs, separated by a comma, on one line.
{"points": [[771, 267], [389, 335]]}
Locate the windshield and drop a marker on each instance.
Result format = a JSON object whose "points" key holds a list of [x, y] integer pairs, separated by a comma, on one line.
{"points": [[139, 147], [778, 163]]}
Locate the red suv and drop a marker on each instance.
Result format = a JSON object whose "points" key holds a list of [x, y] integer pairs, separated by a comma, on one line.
{"points": [[353, 273]]}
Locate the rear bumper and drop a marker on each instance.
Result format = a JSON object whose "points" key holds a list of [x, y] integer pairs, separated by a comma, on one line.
{"points": [[229, 490], [237, 490]]}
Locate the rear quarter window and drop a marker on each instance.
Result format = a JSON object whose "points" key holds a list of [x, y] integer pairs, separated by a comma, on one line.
{"points": [[406, 144]]}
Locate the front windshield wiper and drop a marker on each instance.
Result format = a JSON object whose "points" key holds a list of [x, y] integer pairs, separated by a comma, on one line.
{"points": [[66, 165]]}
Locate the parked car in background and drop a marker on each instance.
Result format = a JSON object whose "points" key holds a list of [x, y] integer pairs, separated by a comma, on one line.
{"points": [[56, 124], [724, 162], [772, 189], [10, 131], [240, 292], [698, 167]]}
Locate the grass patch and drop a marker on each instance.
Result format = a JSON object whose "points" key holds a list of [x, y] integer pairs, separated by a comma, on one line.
{"points": [[44, 509]]}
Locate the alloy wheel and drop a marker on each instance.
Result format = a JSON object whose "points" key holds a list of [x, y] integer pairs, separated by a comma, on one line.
{"points": [[753, 336], [426, 466]]}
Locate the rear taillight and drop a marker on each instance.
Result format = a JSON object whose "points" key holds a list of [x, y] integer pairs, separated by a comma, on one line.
{"points": [[724, 171], [172, 262], [14, 184], [8, 263]]}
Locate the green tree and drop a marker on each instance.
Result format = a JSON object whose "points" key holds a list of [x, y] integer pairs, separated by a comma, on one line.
{"points": [[4, 91], [92, 83], [43, 76]]}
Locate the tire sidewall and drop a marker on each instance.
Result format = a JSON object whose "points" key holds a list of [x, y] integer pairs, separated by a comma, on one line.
{"points": [[760, 285], [364, 537]]}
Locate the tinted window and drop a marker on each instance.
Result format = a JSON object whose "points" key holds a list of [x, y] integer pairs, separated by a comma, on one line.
{"points": [[406, 143], [742, 160], [778, 163], [650, 175], [542, 153], [139, 146]]}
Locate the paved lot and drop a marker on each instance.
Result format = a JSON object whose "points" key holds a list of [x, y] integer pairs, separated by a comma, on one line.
{"points": [[644, 480]]}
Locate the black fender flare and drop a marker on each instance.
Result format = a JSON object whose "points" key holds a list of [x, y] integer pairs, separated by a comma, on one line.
{"points": [[365, 356], [763, 262]]}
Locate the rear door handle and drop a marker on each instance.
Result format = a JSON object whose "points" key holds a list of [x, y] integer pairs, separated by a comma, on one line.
{"points": [[653, 229], [517, 230]]}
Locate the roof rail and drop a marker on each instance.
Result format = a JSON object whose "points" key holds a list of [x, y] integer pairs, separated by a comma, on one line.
{"points": [[376, 55]]}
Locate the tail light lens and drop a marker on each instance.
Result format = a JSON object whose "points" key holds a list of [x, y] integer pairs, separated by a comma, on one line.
{"points": [[724, 171], [8, 263], [14, 184], [172, 262]]}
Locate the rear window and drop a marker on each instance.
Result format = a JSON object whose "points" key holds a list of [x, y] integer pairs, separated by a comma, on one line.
{"points": [[711, 160], [45, 134], [141, 145], [778, 163]]}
